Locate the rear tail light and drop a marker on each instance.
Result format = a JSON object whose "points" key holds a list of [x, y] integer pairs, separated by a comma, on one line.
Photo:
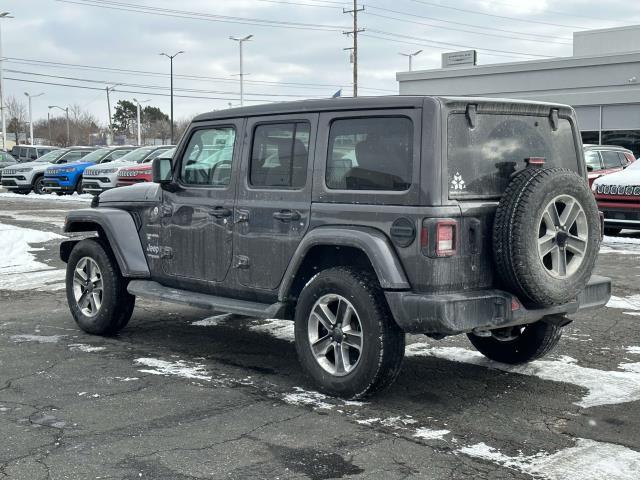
{"points": [[446, 238], [535, 160]]}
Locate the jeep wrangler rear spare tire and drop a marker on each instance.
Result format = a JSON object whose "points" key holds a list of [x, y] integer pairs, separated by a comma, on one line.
{"points": [[96, 291], [546, 236], [346, 338]]}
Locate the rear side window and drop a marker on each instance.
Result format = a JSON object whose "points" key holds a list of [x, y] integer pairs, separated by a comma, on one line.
{"points": [[279, 155], [207, 159], [372, 153], [610, 159], [482, 159]]}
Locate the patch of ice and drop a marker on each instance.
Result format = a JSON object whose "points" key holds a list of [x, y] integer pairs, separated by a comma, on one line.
{"points": [[603, 387], [625, 303], [179, 368], [429, 434], [587, 460], [43, 280], [212, 321], [85, 348], [282, 329], [36, 338], [305, 397], [634, 350]]}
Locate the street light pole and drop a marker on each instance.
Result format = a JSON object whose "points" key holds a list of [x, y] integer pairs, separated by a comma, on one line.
{"points": [[240, 42], [110, 89], [138, 115], [171, 57], [411, 55], [2, 113], [31, 115], [49, 125], [66, 110]]}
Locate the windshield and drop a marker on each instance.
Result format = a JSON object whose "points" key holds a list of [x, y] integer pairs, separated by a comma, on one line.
{"points": [[168, 153], [51, 156], [482, 159], [96, 155], [136, 156]]}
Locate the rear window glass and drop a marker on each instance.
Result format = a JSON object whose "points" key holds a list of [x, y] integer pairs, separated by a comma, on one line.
{"points": [[610, 159], [372, 153], [482, 159]]}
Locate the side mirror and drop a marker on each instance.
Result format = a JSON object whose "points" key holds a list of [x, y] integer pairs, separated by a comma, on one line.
{"points": [[161, 171], [589, 168]]}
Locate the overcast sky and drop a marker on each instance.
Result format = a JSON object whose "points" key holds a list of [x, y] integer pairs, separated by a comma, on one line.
{"points": [[310, 52]]}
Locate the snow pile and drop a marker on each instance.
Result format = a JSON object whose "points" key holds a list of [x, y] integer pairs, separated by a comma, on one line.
{"points": [[35, 197], [587, 460], [621, 245], [603, 387], [179, 368], [633, 350], [428, 434], [305, 397], [19, 269], [625, 303]]}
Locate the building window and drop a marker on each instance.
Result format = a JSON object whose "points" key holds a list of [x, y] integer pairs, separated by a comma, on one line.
{"points": [[590, 137], [623, 138]]}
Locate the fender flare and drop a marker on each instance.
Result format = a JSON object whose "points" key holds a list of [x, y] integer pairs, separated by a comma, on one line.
{"points": [[120, 231], [371, 241]]}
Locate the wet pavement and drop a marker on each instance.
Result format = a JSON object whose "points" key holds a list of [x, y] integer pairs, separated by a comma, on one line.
{"points": [[182, 394]]}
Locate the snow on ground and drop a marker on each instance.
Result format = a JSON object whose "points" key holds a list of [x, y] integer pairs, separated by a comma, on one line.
{"points": [[635, 350], [282, 329], [429, 434], [178, 368], [305, 397], [34, 216], [587, 460], [603, 387], [620, 245], [625, 303], [212, 321], [36, 338], [19, 269], [85, 348], [54, 198]]}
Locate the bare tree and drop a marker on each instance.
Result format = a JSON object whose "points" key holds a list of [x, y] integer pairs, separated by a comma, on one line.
{"points": [[179, 127], [17, 114]]}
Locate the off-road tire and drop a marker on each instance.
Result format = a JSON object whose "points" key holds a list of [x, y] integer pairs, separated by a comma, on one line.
{"points": [[612, 231], [383, 341], [515, 236], [38, 185], [535, 341], [117, 303]]}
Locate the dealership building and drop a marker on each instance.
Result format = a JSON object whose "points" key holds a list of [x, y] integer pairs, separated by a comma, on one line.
{"points": [[601, 81]]}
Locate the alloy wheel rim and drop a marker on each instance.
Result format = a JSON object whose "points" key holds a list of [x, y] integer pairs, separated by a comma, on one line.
{"points": [[88, 286], [563, 234], [335, 334]]}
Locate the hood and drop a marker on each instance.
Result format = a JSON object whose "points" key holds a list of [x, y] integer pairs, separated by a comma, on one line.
{"points": [[628, 177], [74, 165], [139, 193], [111, 165]]}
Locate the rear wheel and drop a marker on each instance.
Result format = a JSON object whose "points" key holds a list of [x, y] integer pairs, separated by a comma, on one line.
{"points": [[520, 344], [346, 338], [96, 292]]}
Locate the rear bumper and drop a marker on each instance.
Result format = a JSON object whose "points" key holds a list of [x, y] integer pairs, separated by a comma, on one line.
{"points": [[462, 312]]}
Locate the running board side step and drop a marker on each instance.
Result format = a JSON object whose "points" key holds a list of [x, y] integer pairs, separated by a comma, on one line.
{"points": [[151, 289]]}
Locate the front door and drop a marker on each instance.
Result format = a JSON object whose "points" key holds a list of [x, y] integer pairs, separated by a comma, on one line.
{"points": [[197, 223], [274, 196]]}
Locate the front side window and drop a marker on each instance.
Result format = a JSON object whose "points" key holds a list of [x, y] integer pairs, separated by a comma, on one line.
{"points": [[208, 157], [372, 153], [592, 159], [279, 155]]}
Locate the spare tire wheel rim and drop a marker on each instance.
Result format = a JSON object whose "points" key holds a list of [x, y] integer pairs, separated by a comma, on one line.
{"points": [[563, 234], [88, 286], [335, 334]]}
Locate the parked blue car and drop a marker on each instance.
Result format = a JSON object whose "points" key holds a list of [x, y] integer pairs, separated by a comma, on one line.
{"points": [[66, 179]]}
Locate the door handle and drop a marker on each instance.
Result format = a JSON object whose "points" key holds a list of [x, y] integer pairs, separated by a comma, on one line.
{"points": [[220, 212], [287, 215]]}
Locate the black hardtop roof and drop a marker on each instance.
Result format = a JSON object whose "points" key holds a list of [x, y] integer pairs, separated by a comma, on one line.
{"points": [[349, 103]]}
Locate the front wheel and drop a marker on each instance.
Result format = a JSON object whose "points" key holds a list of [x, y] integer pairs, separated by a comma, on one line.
{"points": [[38, 186], [520, 344], [79, 187], [96, 292], [346, 338]]}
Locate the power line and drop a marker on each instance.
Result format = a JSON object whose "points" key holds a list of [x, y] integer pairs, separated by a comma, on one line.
{"points": [[546, 10], [504, 17], [128, 7]]}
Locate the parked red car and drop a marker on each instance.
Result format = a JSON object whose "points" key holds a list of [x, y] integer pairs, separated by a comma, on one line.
{"points": [[605, 159], [139, 173]]}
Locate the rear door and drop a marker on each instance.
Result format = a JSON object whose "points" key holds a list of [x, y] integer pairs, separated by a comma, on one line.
{"points": [[274, 196]]}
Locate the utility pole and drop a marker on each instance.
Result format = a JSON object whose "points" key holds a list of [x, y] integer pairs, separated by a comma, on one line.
{"points": [[49, 125], [31, 115], [110, 89], [411, 55], [240, 42], [2, 112], [354, 49], [171, 57]]}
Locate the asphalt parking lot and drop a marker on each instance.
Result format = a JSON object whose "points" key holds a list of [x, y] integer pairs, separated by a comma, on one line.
{"points": [[181, 394]]}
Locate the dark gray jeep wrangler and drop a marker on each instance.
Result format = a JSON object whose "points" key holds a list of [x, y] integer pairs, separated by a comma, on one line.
{"points": [[361, 220]]}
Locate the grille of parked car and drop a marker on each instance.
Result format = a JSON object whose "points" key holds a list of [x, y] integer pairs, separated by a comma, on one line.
{"points": [[618, 189]]}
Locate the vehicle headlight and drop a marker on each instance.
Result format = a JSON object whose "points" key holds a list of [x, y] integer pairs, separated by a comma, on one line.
{"points": [[22, 170]]}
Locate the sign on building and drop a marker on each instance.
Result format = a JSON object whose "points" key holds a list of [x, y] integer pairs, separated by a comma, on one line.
{"points": [[455, 59]]}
